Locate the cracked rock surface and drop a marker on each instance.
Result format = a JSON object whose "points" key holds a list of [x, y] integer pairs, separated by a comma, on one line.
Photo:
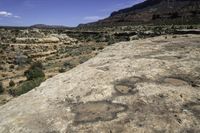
{"points": [[150, 85]]}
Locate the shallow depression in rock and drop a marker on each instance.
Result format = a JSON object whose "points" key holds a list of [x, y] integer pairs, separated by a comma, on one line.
{"points": [[175, 81], [97, 111], [127, 86]]}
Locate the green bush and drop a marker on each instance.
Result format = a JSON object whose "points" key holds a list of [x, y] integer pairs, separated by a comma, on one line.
{"points": [[69, 64], [11, 83], [190, 27], [35, 71], [12, 67], [61, 70], [1, 68], [93, 48], [37, 64], [84, 59], [26, 86], [1, 88], [101, 48], [174, 36], [111, 41]]}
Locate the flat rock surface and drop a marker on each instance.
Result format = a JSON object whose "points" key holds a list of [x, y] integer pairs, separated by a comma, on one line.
{"points": [[150, 85]]}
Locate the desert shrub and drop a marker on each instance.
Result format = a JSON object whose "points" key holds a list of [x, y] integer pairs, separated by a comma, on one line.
{"points": [[61, 70], [26, 86], [12, 67], [88, 39], [75, 52], [11, 83], [84, 59], [20, 59], [111, 41], [101, 48], [98, 38], [1, 68], [55, 47], [190, 27], [1, 51], [1, 88], [157, 30], [35, 71], [174, 15], [21, 81], [69, 65], [155, 16], [13, 40], [140, 34], [37, 64], [174, 36], [27, 47], [93, 48]]}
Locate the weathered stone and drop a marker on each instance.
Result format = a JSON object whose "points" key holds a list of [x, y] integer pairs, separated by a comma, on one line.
{"points": [[97, 111], [89, 99]]}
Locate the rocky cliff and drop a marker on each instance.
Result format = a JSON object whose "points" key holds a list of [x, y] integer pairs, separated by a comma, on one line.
{"points": [[155, 12], [150, 85]]}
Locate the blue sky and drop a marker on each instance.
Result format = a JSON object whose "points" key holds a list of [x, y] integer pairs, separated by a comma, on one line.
{"points": [[58, 12]]}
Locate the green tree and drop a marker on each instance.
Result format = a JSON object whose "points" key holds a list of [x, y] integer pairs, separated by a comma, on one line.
{"points": [[35, 71], [11, 83], [1, 88]]}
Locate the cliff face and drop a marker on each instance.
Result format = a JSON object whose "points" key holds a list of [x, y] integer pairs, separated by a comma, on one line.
{"points": [[150, 85], [156, 11]]}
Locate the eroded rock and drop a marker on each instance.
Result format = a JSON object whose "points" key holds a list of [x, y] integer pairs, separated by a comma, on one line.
{"points": [[138, 93], [194, 107], [127, 86], [97, 111], [175, 82]]}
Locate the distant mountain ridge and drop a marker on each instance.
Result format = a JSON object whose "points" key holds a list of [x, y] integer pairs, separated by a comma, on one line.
{"points": [[155, 12], [41, 26]]}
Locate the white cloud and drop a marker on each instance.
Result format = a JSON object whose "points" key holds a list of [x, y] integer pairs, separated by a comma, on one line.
{"points": [[5, 14], [16, 16], [93, 18], [8, 14]]}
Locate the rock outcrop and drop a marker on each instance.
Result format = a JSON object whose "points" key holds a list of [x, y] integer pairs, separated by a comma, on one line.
{"points": [[55, 38], [150, 85]]}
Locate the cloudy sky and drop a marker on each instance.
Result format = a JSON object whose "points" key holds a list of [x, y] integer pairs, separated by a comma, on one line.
{"points": [[58, 12]]}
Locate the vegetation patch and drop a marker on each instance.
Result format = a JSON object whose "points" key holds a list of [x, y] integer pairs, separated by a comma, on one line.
{"points": [[62, 70], [35, 71], [26, 87], [11, 83], [35, 76], [69, 64], [1, 88]]}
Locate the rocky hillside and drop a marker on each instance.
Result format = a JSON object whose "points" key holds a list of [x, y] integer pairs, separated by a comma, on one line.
{"points": [[150, 85], [156, 12], [21, 48]]}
